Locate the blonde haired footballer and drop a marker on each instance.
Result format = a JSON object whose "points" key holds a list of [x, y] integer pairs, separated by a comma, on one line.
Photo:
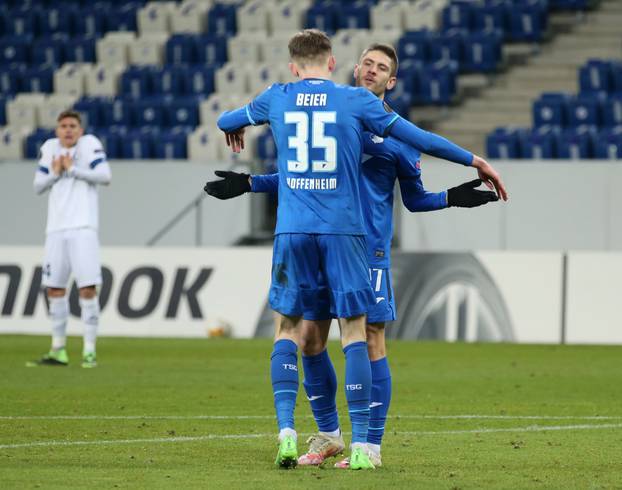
{"points": [[71, 167]]}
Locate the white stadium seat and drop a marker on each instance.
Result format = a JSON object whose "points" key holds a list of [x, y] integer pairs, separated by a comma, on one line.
{"points": [[245, 47], [348, 45], [12, 142], [190, 16], [103, 79], [388, 14], [70, 78], [384, 36], [212, 107], [53, 105], [287, 16], [148, 49], [113, 48], [155, 17], [425, 14], [274, 48], [253, 16], [262, 76], [232, 78], [21, 112], [206, 143]]}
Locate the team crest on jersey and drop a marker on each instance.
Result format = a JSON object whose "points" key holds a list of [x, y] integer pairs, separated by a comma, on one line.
{"points": [[376, 139]]}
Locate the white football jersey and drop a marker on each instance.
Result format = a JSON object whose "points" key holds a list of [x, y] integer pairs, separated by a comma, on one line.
{"points": [[73, 199]]}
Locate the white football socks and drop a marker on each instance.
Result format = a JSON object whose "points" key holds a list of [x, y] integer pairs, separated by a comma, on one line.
{"points": [[59, 312], [90, 318]]}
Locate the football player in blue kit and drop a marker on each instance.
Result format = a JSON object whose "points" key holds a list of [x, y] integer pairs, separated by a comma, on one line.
{"points": [[318, 128]]}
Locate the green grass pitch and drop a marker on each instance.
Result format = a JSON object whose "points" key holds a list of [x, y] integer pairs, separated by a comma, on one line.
{"points": [[198, 414]]}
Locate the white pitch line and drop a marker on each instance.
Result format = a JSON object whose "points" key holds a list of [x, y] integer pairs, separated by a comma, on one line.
{"points": [[271, 417], [483, 430]]}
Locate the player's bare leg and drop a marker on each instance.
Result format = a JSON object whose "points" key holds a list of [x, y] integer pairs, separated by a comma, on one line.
{"points": [[89, 306], [284, 374]]}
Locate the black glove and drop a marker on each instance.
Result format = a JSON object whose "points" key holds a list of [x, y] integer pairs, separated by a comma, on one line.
{"points": [[233, 184], [465, 195]]}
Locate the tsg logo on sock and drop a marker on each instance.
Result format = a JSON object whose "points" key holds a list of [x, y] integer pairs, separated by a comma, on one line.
{"points": [[354, 387], [292, 367]]}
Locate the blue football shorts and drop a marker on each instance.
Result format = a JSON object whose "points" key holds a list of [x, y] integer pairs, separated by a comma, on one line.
{"points": [[308, 269]]}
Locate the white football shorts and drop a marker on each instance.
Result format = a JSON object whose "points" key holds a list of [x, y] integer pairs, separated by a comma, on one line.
{"points": [[72, 251]]}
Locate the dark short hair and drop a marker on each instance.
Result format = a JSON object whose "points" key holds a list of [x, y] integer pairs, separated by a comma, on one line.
{"points": [[69, 113], [309, 46], [386, 49]]}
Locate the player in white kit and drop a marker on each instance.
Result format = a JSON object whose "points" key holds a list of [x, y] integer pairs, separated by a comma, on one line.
{"points": [[71, 166]]}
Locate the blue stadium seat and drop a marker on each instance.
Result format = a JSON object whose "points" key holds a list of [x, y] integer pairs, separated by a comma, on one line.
{"points": [[408, 79], [147, 112], [612, 111], [596, 76], [438, 84], [10, 77], [139, 144], [353, 15], [15, 49], [57, 20], [172, 144], [168, 80], [181, 48], [415, 45], [49, 50], [182, 111], [221, 20], [23, 21], [80, 49], [400, 103], [322, 16], [570, 4], [90, 22], [448, 47], [584, 111], [123, 17], [91, 110], [503, 143], [616, 74], [539, 143], [458, 15], [199, 80], [136, 81], [35, 140], [576, 143], [115, 112], [528, 20], [111, 141], [482, 52], [38, 79], [551, 110], [493, 16], [609, 144], [211, 49], [3, 100]]}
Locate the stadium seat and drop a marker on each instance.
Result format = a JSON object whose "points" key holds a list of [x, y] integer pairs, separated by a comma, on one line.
{"points": [[287, 16], [49, 50], [415, 46], [10, 77], [200, 80], [90, 22], [70, 79], [34, 141], [438, 84], [584, 111], [458, 15], [154, 17], [190, 16], [57, 20], [322, 16], [21, 111], [221, 20], [148, 49], [576, 143], [609, 144], [181, 48], [111, 141], [113, 48], [447, 48], [15, 49], [354, 15], [171, 144], [232, 78], [262, 76], [53, 105], [348, 45], [205, 144], [387, 15], [408, 80], [90, 109], [211, 49], [612, 111], [146, 112], [182, 111], [503, 143], [11, 143], [551, 110], [274, 48], [400, 103], [482, 52], [266, 147], [138, 144], [492, 16], [38, 79], [253, 16], [103, 80], [245, 47], [528, 21], [115, 112], [23, 21], [169, 80], [425, 14], [596, 76], [3, 100], [539, 144], [136, 81], [80, 49], [123, 18]]}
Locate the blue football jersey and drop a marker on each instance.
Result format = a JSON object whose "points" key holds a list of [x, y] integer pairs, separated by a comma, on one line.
{"points": [[318, 130]]}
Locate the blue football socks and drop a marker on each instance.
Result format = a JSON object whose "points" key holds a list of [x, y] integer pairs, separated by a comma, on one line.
{"points": [[320, 382], [358, 389], [284, 373], [380, 399]]}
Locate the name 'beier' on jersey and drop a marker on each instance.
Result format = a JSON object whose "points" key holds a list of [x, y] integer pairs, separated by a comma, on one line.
{"points": [[317, 127], [72, 202]]}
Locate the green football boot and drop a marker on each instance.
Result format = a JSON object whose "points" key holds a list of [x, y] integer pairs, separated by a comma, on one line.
{"points": [[359, 459], [287, 457], [89, 360], [56, 357]]}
